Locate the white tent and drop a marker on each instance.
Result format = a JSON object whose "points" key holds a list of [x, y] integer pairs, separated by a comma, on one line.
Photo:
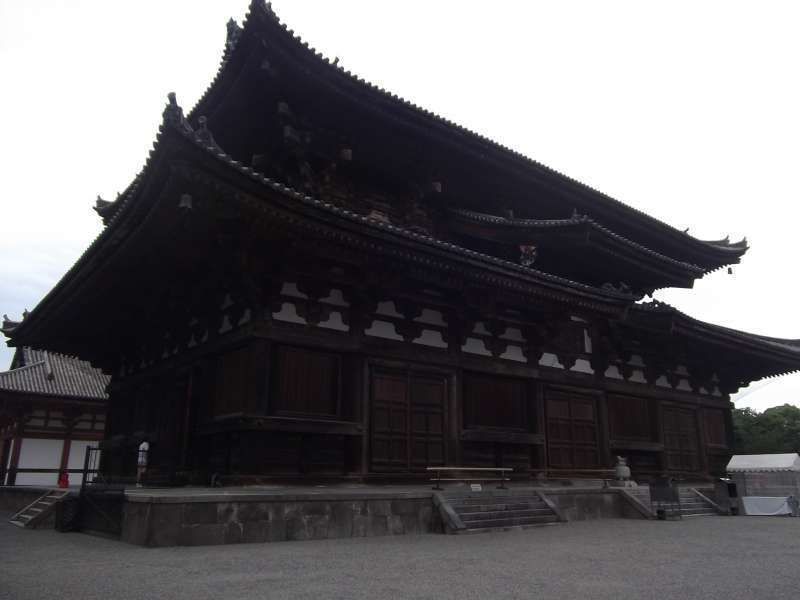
{"points": [[767, 484], [764, 463]]}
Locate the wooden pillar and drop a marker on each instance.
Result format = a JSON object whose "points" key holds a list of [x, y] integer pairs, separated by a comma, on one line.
{"points": [[455, 414], [15, 450], [659, 434], [702, 456], [603, 429], [364, 414], [5, 450], [187, 406], [541, 428]]}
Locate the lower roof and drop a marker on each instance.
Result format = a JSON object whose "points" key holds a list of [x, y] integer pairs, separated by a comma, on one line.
{"points": [[754, 463]]}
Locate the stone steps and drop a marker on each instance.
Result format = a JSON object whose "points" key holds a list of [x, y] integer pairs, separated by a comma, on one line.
{"points": [[38, 510], [496, 511], [693, 505], [499, 507], [505, 514], [506, 528]]}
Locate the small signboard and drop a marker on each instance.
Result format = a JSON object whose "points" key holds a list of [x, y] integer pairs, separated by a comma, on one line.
{"points": [[476, 487]]}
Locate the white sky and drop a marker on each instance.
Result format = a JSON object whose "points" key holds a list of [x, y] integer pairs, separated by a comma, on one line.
{"points": [[687, 110]]}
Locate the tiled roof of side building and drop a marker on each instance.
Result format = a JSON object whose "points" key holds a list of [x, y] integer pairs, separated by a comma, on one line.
{"points": [[47, 373]]}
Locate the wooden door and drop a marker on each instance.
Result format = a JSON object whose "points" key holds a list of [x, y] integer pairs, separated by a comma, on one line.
{"points": [[389, 439], [408, 420], [427, 421], [571, 431], [680, 439]]}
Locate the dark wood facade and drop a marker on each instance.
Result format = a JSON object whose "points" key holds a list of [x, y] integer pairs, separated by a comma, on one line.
{"points": [[339, 284]]}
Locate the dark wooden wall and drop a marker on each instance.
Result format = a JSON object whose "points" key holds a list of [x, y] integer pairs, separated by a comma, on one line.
{"points": [[262, 408]]}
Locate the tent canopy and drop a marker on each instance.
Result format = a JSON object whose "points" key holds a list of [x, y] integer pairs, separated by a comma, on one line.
{"points": [[753, 463]]}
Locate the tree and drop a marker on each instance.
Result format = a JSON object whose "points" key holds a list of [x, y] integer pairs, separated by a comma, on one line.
{"points": [[774, 431]]}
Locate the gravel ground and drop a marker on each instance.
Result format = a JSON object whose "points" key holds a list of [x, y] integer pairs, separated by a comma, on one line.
{"points": [[713, 557]]}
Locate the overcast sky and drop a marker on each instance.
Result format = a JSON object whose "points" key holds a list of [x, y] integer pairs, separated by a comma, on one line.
{"points": [[685, 110]]}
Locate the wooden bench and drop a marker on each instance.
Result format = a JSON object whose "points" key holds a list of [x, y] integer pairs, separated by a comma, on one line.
{"points": [[500, 471]]}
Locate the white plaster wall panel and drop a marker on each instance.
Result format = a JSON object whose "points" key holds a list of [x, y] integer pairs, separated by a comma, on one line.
{"points": [[637, 377], [587, 342], [383, 329], [336, 298], [683, 385], [288, 313], [514, 353], [335, 321], [582, 366], [226, 324], [480, 329], [550, 360], [475, 346], [662, 382], [388, 309], [431, 337], [578, 319], [636, 361], [431, 317], [290, 289], [39, 454], [84, 422], [612, 372], [513, 334], [77, 455]]}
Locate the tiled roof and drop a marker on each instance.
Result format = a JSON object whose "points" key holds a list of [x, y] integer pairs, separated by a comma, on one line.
{"points": [[575, 220], [262, 9], [175, 121], [47, 373], [200, 140], [789, 347]]}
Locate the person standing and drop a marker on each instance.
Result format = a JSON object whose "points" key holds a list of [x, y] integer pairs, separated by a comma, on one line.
{"points": [[141, 462]]}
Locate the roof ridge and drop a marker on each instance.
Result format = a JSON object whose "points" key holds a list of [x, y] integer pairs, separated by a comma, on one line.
{"points": [[23, 368]]}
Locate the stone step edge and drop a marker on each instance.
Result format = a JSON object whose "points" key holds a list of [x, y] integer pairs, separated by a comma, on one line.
{"points": [[476, 530]]}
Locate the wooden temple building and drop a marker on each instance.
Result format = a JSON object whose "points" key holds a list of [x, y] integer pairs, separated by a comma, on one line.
{"points": [[313, 278], [52, 407]]}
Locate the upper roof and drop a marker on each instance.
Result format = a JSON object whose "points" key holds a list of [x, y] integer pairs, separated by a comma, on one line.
{"points": [[754, 463], [178, 142], [264, 39], [47, 373]]}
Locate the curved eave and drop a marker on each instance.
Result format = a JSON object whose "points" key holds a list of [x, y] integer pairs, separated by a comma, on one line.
{"points": [[783, 354], [118, 229], [261, 20], [593, 229]]}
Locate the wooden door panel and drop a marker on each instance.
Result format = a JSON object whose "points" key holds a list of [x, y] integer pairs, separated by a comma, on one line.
{"points": [[389, 441], [571, 431], [428, 397], [680, 439], [407, 430]]}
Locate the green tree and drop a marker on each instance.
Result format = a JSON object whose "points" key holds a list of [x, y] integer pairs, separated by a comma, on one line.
{"points": [[776, 430]]}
